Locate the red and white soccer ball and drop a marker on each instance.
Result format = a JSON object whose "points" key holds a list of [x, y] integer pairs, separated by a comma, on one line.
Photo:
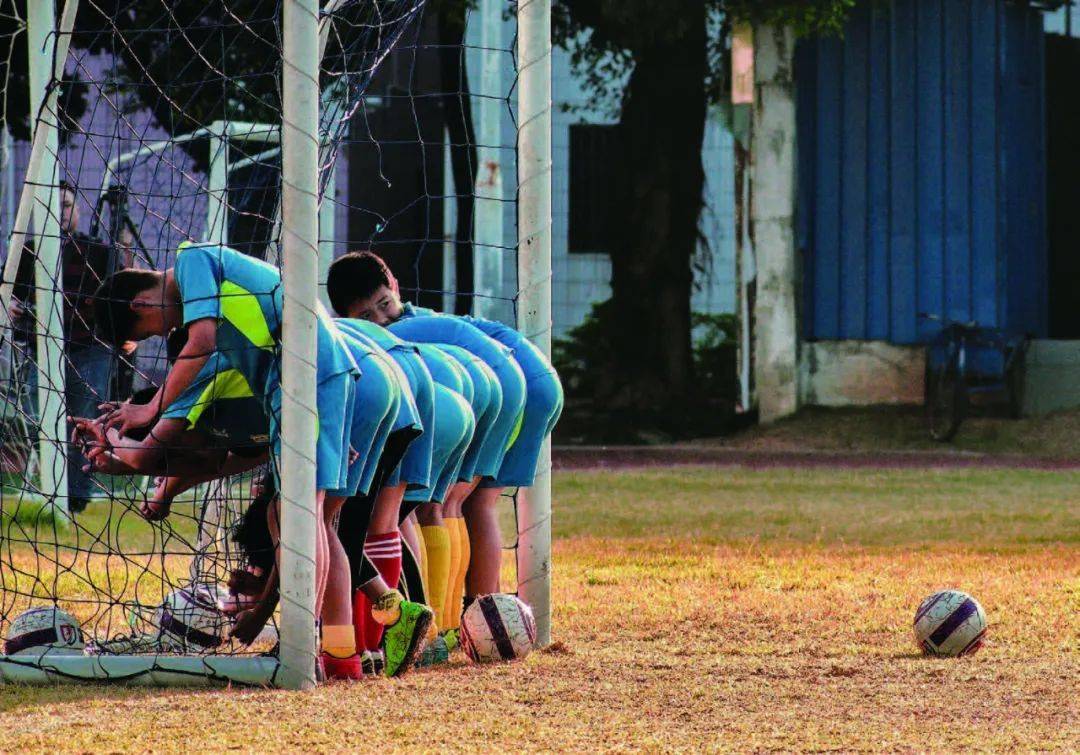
{"points": [[950, 623], [497, 627], [44, 630]]}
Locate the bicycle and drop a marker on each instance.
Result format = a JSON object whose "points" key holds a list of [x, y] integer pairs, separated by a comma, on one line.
{"points": [[965, 360]]}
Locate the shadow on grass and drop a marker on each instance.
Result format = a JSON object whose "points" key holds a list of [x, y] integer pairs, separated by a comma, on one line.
{"points": [[23, 697]]}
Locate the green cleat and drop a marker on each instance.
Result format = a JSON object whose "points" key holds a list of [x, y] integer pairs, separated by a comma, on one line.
{"points": [[435, 653], [450, 637], [404, 639]]}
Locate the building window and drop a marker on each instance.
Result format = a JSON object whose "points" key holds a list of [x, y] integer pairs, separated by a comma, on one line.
{"points": [[592, 160]]}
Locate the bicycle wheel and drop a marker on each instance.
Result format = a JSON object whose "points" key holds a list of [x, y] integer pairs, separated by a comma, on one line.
{"points": [[946, 401]]}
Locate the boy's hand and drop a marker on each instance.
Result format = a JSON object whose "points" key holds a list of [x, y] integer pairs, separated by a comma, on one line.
{"points": [[129, 416], [87, 432], [250, 622]]}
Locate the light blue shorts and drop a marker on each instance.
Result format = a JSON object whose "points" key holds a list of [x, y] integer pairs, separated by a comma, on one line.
{"points": [[415, 467], [490, 457], [543, 406], [374, 410], [335, 398], [453, 425], [486, 405]]}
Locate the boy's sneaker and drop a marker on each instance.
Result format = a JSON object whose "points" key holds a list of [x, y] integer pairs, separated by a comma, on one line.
{"points": [[404, 639], [435, 653], [341, 668], [372, 662]]}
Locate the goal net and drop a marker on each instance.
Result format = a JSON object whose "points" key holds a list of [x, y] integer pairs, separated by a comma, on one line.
{"points": [[131, 126]]}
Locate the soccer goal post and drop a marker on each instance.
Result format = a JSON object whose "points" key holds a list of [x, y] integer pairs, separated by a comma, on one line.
{"points": [[267, 126], [534, 286]]}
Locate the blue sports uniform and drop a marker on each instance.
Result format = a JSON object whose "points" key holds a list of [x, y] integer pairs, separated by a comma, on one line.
{"points": [[417, 410], [221, 404], [243, 295], [441, 329], [543, 404], [454, 422], [486, 404], [374, 412]]}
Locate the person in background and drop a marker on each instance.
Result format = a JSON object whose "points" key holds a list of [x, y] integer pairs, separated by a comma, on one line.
{"points": [[89, 363]]}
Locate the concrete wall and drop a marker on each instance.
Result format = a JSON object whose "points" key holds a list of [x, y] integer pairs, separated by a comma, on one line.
{"points": [[864, 373], [1053, 377], [860, 373]]}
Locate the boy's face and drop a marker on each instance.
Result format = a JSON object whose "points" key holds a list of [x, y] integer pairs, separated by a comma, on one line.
{"points": [[153, 315], [382, 307]]}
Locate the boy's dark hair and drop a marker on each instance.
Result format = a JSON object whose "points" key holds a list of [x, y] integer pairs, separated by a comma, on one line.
{"points": [[356, 275], [113, 316], [252, 533]]}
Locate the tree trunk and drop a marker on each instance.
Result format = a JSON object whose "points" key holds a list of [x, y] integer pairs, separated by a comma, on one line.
{"points": [[457, 113], [657, 200]]}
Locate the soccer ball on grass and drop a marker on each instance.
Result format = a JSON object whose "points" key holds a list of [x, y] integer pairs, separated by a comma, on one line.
{"points": [[950, 623], [497, 627]]}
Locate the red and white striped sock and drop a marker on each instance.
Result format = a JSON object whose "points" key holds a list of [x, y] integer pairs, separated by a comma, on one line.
{"points": [[384, 552]]}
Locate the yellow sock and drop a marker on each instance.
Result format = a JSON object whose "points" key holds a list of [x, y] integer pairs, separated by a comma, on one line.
{"points": [[459, 575], [446, 620], [437, 544], [339, 640]]}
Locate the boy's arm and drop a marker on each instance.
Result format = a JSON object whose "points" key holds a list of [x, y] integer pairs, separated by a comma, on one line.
{"points": [[181, 480], [201, 343]]}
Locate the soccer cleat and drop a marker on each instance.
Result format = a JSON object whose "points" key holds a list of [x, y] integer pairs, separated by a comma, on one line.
{"points": [[404, 639], [372, 662], [434, 654], [341, 668], [452, 640]]}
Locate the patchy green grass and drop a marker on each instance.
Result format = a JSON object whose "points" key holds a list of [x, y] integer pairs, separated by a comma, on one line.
{"points": [[977, 508], [701, 609], [886, 428]]}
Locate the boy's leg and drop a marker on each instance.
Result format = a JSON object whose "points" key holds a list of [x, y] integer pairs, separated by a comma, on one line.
{"points": [[485, 541], [338, 638], [437, 543], [383, 548], [405, 623], [410, 529], [412, 564]]}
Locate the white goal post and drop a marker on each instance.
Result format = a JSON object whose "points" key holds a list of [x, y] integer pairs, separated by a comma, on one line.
{"points": [[534, 286]]}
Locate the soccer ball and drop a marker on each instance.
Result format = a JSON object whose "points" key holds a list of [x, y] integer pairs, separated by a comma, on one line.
{"points": [[497, 627], [46, 629], [190, 621], [950, 623]]}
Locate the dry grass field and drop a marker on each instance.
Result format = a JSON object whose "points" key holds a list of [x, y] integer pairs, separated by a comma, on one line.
{"points": [[696, 609]]}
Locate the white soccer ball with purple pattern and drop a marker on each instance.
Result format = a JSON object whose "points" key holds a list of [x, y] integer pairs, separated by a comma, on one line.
{"points": [[44, 630], [950, 623], [497, 627], [190, 621]]}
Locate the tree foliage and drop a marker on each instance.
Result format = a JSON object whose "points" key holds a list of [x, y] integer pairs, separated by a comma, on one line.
{"points": [[15, 75]]}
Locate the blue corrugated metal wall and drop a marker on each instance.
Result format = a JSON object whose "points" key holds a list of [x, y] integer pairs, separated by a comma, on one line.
{"points": [[922, 170]]}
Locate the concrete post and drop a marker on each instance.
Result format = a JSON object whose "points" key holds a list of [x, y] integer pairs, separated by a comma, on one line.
{"points": [[773, 216]]}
